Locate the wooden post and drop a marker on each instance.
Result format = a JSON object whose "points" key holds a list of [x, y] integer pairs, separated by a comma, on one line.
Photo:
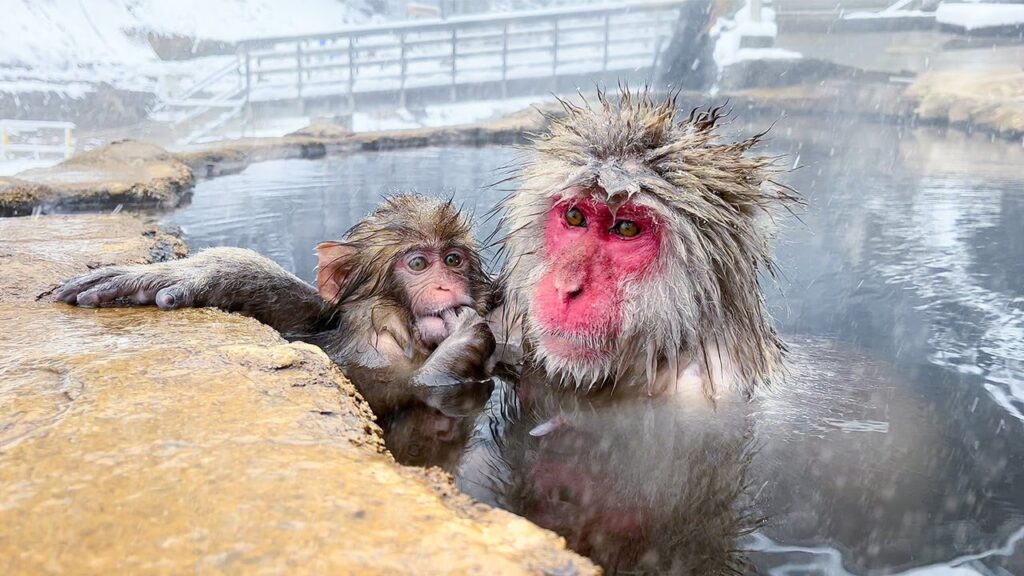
{"points": [[69, 142], [351, 75], [248, 87], [504, 61], [401, 89], [554, 56], [455, 56], [554, 48], [607, 32], [298, 77], [5, 141]]}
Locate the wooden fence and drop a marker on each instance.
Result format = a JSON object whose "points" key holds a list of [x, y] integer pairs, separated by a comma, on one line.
{"points": [[36, 138]]}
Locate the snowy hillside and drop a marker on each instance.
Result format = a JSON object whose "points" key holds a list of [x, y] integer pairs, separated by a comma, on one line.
{"points": [[51, 36]]}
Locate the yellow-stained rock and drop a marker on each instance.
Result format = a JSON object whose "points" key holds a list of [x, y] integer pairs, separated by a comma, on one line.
{"points": [[135, 173], [322, 138], [990, 99], [140, 441], [36, 254], [124, 172]]}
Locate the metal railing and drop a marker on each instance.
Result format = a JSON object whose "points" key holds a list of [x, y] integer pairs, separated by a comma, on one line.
{"points": [[36, 138], [466, 50], [438, 56]]}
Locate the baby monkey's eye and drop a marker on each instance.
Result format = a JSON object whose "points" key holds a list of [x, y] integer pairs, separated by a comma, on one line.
{"points": [[453, 260], [626, 228], [574, 217], [417, 264]]}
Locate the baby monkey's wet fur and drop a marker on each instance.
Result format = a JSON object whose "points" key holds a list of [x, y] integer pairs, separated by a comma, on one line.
{"points": [[367, 305]]}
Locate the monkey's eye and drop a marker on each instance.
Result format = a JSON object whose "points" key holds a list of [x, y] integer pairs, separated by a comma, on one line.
{"points": [[574, 217], [417, 264], [626, 228], [453, 260]]}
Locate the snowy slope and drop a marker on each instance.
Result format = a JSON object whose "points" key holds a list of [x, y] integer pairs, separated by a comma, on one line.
{"points": [[64, 34]]}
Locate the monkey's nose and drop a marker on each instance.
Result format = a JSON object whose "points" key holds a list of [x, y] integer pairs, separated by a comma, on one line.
{"points": [[568, 288]]}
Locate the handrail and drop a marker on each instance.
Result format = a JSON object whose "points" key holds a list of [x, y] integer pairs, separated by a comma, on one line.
{"points": [[66, 147], [495, 52], [35, 124], [462, 21], [199, 86]]}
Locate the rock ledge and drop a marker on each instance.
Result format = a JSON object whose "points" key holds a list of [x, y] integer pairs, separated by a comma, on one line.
{"points": [[139, 441]]}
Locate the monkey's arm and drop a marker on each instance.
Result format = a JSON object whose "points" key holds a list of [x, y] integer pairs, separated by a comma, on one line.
{"points": [[232, 279]]}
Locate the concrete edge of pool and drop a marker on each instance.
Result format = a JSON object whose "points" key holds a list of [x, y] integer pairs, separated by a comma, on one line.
{"points": [[134, 440]]}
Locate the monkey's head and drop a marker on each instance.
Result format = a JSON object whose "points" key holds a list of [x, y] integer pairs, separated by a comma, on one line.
{"points": [[633, 247], [414, 260]]}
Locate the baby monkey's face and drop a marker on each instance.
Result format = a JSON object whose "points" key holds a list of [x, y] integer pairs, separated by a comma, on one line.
{"points": [[435, 284]]}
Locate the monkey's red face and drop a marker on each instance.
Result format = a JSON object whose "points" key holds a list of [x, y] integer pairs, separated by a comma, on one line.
{"points": [[591, 255], [436, 285]]}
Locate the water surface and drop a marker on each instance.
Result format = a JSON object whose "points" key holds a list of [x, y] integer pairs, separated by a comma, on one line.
{"points": [[902, 295]]}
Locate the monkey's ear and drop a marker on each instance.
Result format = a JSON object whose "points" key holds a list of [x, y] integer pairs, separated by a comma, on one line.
{"points": [[334, 262]]}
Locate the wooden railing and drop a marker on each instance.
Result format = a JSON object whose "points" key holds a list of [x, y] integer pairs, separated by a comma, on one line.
{"points": [[36, 138]]}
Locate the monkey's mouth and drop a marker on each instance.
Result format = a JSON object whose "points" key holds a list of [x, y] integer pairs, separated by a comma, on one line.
{"points": [[431, 329], [433, 326]]}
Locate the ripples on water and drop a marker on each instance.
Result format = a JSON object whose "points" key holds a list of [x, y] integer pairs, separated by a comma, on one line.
{"points": [[898, 444]]}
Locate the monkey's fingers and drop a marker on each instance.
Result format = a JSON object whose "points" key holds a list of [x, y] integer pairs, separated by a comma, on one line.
{"points": [[69, 291], [113, 292], [460, 318]]}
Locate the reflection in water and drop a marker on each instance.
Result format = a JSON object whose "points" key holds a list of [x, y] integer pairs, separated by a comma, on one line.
{"points": [[896, 443], [637, 483], [423, 425]]}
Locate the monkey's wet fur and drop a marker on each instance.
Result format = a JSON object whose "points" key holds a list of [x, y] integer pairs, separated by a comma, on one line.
{"points": [[369, 311], [696, 308], [628, 318]]}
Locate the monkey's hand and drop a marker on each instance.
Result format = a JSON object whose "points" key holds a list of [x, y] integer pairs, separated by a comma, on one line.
{"points": [[464, 356], [232, 279], [169, 285]]}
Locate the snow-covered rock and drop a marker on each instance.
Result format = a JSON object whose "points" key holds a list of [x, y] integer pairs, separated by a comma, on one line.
{"points": [[979, 15], [729, 48]]}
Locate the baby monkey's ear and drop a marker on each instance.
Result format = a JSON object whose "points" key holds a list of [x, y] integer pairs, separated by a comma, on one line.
{"points": [[334, 262]]}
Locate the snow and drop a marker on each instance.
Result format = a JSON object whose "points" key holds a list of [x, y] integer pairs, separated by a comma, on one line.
{"points": [[401, 119], [12, 166], [441, 115], [730, 33], [270, 128], [976, 15], [233, 20], [887, 14], [66, 89], [105, 40]]}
